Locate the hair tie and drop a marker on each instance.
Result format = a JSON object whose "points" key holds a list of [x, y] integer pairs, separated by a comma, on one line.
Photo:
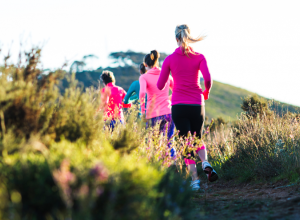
{"points": [[152, 56], [179, 31]]}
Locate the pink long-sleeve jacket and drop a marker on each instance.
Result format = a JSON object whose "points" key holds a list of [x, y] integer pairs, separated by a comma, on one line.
{"points": [[113, 96], [158, 102], [186, 75]]}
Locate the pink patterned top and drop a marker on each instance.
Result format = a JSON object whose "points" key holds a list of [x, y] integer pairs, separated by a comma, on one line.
{"points": [[113, 96]]}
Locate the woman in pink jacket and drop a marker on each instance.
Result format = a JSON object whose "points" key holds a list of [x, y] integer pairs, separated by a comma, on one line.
{"points": [[158, 102], [188, 110], [112, 100]]}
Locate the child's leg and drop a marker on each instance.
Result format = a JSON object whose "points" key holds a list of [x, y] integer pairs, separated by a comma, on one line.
{"points": [[202, 153], [171, 130], [192, 168], [112, 124]]}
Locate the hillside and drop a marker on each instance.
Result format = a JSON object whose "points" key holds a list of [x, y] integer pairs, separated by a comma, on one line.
{"points": [[225, 100]]}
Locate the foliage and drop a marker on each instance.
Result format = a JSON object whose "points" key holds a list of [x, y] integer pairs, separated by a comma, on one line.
{"points": [[131, 57], [216, 124], [257, 149], [254, 106], [78, 65], [27, 97], [57, 161]]}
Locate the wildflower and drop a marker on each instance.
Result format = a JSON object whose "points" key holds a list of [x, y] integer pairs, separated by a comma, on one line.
{"points": [[64, 178], [207, 130], [99, 190], [83, 191], [99, 172]]}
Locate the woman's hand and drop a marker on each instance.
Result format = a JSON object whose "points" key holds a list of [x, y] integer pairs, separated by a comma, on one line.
{"points": [[206, 94], [126, 105]]}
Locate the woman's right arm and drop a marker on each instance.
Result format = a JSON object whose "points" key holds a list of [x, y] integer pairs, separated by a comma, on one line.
{"points": [[164, 74], [129, 93], [143, 90], [206, 76]]}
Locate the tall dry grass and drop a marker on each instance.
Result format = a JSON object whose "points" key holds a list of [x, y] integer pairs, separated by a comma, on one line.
{"points": [[257, 148]]}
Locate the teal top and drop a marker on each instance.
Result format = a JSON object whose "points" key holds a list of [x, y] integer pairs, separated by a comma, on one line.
{"points": [[133, 93]]}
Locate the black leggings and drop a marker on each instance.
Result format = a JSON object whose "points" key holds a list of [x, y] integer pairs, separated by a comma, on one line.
{"points": [[189, 118]]}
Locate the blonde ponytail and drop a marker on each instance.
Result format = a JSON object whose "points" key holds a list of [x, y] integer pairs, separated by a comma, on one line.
{"points": [[182, 33]]}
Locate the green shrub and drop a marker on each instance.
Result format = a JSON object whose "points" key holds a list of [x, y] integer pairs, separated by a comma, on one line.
{"points": [[258, 149], [29, 175], [57, 161], [216, 124], [254, 106]]}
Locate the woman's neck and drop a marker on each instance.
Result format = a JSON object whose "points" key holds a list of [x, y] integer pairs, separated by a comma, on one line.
{"points": [[149, 68]]}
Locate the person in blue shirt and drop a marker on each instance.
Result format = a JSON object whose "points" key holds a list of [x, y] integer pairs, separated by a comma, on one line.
{"points": [[133, 92]]}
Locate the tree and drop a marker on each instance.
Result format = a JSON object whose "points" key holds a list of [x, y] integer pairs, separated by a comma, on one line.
{"points": [[78, 66], [131, 58]]}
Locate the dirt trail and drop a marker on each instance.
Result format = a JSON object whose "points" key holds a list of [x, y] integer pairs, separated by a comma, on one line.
{"points": [[248, 201]]}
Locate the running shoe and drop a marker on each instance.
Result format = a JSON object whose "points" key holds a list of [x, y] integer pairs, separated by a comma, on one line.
{"points": [[212, 174], [195, 185]]}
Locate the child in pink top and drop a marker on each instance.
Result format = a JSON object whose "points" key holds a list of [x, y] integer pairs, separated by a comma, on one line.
{"points": [[188, 110], [112, 99], [158, 102]]}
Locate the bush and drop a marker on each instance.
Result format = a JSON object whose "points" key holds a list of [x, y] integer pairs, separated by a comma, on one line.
{"points": [[57, 161], [216, 124], [258, 149], [254, 106], [29, 177]]}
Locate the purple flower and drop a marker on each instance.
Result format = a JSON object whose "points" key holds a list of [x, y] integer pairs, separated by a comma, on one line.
{"points": [[99, 172]]}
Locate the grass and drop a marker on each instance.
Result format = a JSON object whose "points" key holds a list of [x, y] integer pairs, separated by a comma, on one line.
{"points": [[257, 149]]}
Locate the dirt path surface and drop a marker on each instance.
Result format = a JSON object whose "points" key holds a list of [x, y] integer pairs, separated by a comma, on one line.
{"points": [[248, 201]]}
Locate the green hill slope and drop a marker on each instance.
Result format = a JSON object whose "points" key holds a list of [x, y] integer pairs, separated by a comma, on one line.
{"points": [[225, 101]]}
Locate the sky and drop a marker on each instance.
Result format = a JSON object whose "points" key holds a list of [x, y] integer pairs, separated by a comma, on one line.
{"points": [[254, 45]]}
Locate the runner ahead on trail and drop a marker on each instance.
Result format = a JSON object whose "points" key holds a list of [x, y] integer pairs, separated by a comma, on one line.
{"points": [[188, 110], [112, 100], [133, 93], [158, 102]]}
